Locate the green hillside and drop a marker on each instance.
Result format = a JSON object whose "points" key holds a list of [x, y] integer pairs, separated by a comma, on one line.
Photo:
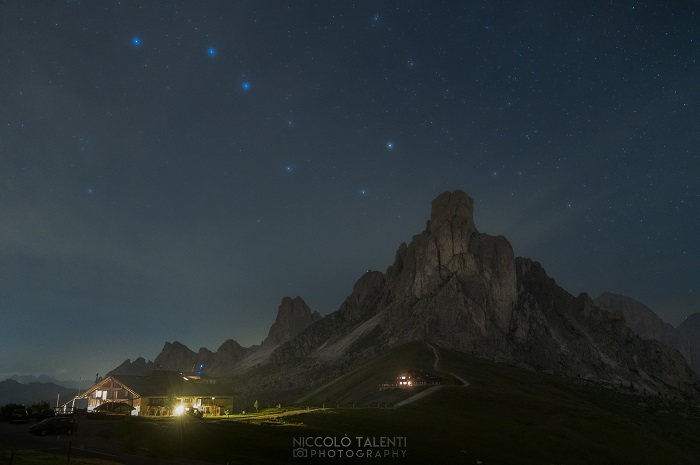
{"points": [[361, 385], [510, 415], [506, 415]]}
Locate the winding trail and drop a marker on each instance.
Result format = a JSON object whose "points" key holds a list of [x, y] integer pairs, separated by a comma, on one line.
{"points": [[433, 389]]}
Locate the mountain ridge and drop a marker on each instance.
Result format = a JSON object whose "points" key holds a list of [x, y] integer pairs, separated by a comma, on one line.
{"points": [[464, 290], [12, 391], [648, 325]]}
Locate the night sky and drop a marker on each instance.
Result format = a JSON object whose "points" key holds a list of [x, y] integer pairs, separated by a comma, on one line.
{"points": [[171, 170]]}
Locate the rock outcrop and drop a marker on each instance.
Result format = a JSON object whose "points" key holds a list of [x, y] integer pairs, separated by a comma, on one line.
{"points": [[640, 318], [688, 340], [139, 367], [557, 332], [176, 356], [228, 354], [293, 316], [645, 323], [451, 283]]}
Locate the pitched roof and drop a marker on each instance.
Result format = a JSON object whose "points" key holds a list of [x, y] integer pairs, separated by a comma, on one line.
{"points": [[163, 383]]}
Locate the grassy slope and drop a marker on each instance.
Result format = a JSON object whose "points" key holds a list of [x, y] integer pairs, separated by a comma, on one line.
{"points": [[361, 385], [506, 416], [510, 415]]}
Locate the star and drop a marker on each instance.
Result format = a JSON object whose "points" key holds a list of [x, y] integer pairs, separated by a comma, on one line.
{"points": [[389, 145], [363, 192], [245, 85], [211, 51], [288, 168], [136, 41]]}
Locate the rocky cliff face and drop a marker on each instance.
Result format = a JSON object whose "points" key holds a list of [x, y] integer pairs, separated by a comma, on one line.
{"points": [[645, 323], [555, 331], [688, 340], [139, 367], [293, 315], [228, 354], [451, 283], [640, 319], [176, 356]]}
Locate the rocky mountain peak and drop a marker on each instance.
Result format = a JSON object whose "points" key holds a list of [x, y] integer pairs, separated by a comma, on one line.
{"points": [[175, 356], [450, 208], [452, 224], [648, 325], [638, 317], [456, 272], [138, 367], [293, 316]]}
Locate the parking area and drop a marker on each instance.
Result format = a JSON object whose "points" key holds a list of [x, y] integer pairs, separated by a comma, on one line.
{"points": [[92, 439]]}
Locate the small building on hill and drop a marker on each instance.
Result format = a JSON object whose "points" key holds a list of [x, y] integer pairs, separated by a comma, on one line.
{"points": [[148, 394], [411, 379]]}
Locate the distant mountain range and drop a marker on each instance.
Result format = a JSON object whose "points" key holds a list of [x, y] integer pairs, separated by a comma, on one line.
{"points": [[647, 325], [460, 289], [12, 391], [26, 379]]}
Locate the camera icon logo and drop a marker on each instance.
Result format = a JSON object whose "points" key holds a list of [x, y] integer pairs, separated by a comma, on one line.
{"points": [[300, 453]]}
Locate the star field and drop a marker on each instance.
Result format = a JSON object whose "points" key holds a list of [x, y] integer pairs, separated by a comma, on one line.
{"points": [[172, 163]]}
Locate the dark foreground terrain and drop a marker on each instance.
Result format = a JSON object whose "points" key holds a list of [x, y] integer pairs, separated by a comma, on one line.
{"points": [[505, 415]]}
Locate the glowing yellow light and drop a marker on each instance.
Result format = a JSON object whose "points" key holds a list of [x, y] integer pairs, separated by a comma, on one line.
{"points": [[179, 410]]}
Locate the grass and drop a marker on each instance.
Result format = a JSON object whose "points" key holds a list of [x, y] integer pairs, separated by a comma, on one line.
{"points": [[360, 386], [506, 416], [513, 416], [32, 457]]}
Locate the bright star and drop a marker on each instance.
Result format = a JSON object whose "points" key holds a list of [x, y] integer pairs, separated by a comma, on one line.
{"points": [[245, 85], [390, 145], [211, 51], [136, 41], [363, 192], [288, 168]]}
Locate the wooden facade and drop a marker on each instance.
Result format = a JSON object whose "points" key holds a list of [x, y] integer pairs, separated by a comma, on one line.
{"points": [[148, 394]]}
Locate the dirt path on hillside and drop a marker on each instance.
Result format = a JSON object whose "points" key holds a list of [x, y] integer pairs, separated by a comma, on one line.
{"points": [[437, 356], [437, 361], [253, 417], [433, 389]]}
